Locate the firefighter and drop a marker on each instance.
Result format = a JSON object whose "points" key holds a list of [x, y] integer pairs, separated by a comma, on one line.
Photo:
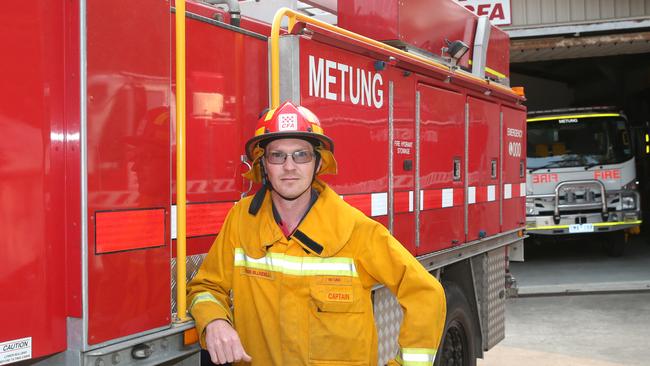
{"points": [[289, 277]]}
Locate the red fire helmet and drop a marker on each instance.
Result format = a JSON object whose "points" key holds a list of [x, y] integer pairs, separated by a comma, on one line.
{"points": [[288, 121]]}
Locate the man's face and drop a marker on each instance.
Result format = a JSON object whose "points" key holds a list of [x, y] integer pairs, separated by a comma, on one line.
{"points": [[289, 179]]}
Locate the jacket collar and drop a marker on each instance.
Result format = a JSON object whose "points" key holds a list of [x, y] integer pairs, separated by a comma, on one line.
{"points": [[324, 231]]}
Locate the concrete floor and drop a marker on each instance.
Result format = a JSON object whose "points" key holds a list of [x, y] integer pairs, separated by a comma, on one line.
{"points": [[582, 266], [580, 330], [605, 324]]}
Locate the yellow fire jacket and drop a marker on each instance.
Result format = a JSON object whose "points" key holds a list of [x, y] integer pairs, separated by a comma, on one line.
{"points": [[306, 300]]}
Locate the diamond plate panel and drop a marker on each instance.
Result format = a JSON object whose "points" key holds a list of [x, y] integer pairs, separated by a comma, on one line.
{"points": [[388, 318], [496, 297], [489, 277], [193, 263]]}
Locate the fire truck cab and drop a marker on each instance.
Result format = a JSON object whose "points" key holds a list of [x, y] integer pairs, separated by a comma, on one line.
{"points": [[582, 176]]}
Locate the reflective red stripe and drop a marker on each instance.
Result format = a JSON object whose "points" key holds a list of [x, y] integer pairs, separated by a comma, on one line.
{"points": [[206, 218], [437, 198], [481, 194], [127, 230], [459, 196], [403, 202], [362, 202], [517, 190], [432, 199]]}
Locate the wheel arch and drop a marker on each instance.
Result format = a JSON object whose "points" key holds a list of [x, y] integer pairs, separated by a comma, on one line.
{"points": [[460, 274]]}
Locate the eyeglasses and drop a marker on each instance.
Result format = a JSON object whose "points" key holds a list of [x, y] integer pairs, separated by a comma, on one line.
{"points": [[299, 157]]}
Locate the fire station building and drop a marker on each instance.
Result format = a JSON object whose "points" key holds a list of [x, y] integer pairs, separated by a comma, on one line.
{"points": [[572, 53]]}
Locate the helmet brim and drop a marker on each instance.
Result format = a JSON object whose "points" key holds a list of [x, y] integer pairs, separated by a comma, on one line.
{"points": [[326, 142]]}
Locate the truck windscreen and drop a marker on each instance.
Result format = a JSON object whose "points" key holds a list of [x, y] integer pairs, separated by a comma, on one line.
{"points": [[573, 142]]}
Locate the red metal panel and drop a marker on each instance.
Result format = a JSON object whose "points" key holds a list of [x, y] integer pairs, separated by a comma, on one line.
{"points": [[403, 202], [498, 54], [32, 185], [442, 136], [226, 90], [422, 23], [425, 24], [514, 154], [361, 170], [362, 202], [404, 156], [374, 19], [211, 12], [484, 140], [128, 139], [206, 218]]}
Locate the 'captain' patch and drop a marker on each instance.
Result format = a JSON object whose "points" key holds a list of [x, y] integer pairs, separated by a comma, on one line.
{"points": [[339, 294]]}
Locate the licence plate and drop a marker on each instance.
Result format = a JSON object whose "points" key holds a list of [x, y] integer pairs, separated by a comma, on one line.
{"points": [[581, 228]]}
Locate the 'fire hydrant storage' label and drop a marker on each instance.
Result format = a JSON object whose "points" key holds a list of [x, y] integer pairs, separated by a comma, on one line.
{"points": [[16, 350]]}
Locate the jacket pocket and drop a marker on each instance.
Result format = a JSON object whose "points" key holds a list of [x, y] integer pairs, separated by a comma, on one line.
{"points": [[338, 333]]}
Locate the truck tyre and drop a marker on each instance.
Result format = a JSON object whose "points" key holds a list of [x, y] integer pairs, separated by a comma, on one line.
{"points": [[616, 243], [457, 347]]}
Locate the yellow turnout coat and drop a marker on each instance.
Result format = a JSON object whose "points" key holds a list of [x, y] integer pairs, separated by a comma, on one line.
{"points": [[306, 300]]}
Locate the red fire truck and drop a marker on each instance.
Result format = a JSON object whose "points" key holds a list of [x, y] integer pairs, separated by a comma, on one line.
{"points": [[428, 133]]}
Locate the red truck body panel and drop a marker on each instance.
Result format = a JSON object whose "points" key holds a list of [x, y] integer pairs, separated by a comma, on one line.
{"points": [[32, 167], [442, 140], [119, 287], [128, 136], [424, 24]]}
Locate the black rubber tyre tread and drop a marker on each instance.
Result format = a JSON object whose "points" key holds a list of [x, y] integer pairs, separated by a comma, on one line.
{"points": [[459, 315]]}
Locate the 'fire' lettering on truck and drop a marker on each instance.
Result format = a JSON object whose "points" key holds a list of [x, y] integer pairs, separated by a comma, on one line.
{"points": [[607, 174], [362, 86], [545, 178]]}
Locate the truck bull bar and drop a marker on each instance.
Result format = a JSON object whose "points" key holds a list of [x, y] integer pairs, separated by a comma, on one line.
{"points": [[558, 206]]}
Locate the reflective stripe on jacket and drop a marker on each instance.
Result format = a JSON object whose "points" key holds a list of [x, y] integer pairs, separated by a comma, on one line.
{"points": [[306, 300]]}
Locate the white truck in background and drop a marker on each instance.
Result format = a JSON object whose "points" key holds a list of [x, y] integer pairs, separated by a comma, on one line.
{"points": [[581, 176]]}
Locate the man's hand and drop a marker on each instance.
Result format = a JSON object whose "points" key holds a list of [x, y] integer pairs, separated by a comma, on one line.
{"points": [[223, 343]]}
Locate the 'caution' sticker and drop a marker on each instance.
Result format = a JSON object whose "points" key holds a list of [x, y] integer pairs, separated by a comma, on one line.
{"points": [[16, 350]]}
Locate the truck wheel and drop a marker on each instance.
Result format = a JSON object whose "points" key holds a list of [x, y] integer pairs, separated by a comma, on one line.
{"points": [[457, 347], [617, 242]]}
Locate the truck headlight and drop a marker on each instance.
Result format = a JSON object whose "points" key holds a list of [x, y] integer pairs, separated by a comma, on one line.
{"points": [[627, 203], [632, 186], [530, 208]]}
